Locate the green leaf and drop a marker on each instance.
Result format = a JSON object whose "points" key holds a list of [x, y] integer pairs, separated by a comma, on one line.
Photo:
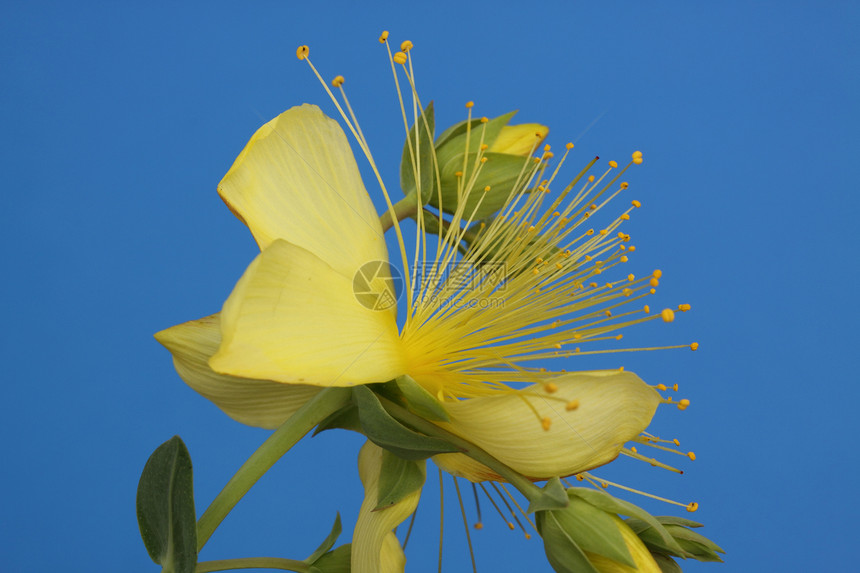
{"points": [[386, 432], [552, 496], [562, 551], [420, 141], [420, 401], [610, 504], [458, 128], [594, 530], [165, 508], [702, 548], [336, 561], [398, 478], [328, 542]]}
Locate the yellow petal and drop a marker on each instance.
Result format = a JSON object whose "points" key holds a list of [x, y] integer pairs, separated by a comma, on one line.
{"points": [[519, 139], [641, 556], [614, 406], [370, 551], [293, 318], [297, 180], [260, 403]]}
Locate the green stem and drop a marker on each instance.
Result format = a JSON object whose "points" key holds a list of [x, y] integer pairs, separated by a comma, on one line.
{"points": [[522, 483], [315, 410], [253, 563], [406, 207]]}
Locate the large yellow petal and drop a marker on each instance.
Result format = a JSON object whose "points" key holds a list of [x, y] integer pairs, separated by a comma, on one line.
{"points": [[297, 180], [293, 318], [372, 549], [614, 406], [260, 403]]}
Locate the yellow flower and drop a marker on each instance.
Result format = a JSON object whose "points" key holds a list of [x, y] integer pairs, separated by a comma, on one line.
{"points": [[294, 323]]}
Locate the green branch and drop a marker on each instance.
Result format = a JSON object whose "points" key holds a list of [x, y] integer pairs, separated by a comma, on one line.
{"points": [[328, 401], [254, 563]]}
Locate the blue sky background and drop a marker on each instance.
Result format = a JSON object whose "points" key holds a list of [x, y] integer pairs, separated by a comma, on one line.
{"points": [[119, 121]]}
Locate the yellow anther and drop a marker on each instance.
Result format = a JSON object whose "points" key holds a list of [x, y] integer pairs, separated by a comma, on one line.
{"points": [[654, 282], [636, 203], [592, 285], [547, 147], [683, 404], [637, 157], [633, 449], [557, 346], [625, 185], [603, 231], [483, 160], [684, 307], [484, 147], [470, 104], [458, 174], [631, 248], [619, 337], [571, 406], [607, 312], [647, 309], [383, 37], [589, 232], [625, 238], [613, 164], [662, 387], [548, 155], [479, 525], [546, 423], [399, 58], [405, 46], [694, 346], [631, 277], [535, 272], [668, 315], [691, 455], [657, 273], [669, 400], [625, 217], [653, 291], [692, 506], [579, 477], [675, 387], [511, 526], [624, 259], [302, 52], [577, 336], [676, 441], [593, 207], [486, 188], [550, 387], [484, 120], [627, 292], [555, 213], [569, 146], [622, 247], [337, 82]]}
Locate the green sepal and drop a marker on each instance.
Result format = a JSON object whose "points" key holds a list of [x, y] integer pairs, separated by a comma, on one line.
{"points": [[386, 432], [562, 551], [426, 153], [328, 542], [594, 530], [165, 508], [501, 172], [552, 496], [458, 128], [675, 520], [692, 545], [666, 563], [420, 401], [452, 143], [345, 419], [610, 504], [335, 561], [397, 479]]}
